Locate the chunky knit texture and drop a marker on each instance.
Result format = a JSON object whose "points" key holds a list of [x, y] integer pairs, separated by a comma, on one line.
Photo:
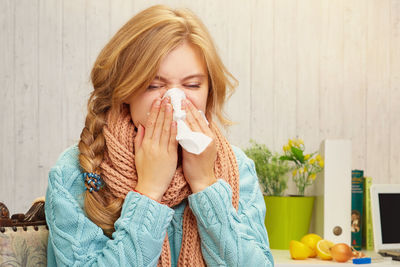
{"points": [[119, 173], [229, 237]]}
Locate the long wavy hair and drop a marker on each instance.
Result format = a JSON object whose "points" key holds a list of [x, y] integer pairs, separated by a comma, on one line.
{"points": [[126, 66]]}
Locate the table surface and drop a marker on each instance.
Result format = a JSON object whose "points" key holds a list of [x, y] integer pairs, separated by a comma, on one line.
{"points": [[282, 259]]}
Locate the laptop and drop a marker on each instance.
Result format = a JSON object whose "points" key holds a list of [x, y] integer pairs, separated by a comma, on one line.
{"points": [[385, 204]]}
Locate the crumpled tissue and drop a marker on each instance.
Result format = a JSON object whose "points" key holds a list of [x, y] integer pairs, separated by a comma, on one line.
{"points": [[193, 142]]}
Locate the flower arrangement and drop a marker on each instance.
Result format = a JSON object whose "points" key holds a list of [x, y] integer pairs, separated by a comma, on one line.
{"points": [[271, 169], [306, 166]]}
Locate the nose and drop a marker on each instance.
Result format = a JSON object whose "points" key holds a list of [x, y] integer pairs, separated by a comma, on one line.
{"points": [[166, 88]]}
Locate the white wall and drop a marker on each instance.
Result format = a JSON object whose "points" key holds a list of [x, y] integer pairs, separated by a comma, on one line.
{"points": [[313, 69]]}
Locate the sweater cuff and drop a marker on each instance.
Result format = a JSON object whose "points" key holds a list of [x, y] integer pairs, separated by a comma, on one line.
{"points": [[140, 213], [213, 204]]}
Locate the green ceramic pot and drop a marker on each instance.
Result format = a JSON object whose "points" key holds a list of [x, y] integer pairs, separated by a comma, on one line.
{"points": [[287, 218]]}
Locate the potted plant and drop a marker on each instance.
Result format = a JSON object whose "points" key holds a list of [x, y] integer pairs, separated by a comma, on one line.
{"points": [[288, 217], [271, 169], [306, 166]]}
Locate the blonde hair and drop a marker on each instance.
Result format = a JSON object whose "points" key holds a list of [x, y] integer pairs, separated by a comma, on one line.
{"points": [[126, 66]]}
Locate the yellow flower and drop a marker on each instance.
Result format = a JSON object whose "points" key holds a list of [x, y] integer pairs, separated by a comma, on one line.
{"points": [[313, 176], [318, 157], [321, 163], [286, 148], [290, 142], [306, 157], [305, 169], [312, 161], [294, 172], [298, 142], [301, 170], [295, 143]]}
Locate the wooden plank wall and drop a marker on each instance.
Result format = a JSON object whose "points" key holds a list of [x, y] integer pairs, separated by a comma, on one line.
{"points": [[312, 69]]}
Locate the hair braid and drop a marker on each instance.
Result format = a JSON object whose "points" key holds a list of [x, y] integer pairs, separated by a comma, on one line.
{"points": [[99, 207]]}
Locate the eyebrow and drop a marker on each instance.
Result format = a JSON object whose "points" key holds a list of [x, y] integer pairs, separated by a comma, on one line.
{"points": [[158, 77]]}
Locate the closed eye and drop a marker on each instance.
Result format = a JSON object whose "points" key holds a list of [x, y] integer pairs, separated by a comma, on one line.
{"points": [[193, 85], [151, 86]]}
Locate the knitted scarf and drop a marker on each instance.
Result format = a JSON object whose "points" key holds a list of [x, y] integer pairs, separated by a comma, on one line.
{"points": [[119, 173]]}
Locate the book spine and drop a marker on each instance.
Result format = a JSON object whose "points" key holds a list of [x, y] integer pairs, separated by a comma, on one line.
{"points": [[368, 231], [357, 193]]}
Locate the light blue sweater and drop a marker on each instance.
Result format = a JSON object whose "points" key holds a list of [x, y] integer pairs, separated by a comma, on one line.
{"points": [[228, 237]]}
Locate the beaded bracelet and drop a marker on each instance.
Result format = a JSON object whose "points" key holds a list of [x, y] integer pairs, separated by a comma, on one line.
{"points": [[94, 182]]}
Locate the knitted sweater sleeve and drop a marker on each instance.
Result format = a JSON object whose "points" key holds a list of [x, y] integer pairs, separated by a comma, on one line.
{"points": [[230, 237], [74, 240]]}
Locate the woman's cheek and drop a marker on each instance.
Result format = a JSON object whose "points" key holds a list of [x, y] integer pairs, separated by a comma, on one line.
{"points": [[199, 103]]}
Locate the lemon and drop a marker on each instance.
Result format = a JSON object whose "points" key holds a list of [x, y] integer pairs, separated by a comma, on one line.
{"points": [[323, 249], [311, 241], [298, 250]]}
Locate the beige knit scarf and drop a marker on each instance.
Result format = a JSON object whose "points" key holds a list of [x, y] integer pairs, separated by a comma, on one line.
{"points": [[119, 173]]}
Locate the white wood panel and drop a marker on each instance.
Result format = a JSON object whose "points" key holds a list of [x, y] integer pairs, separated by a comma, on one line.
{"points": [[308, 54], [50, 99], [26, 102], [238, 61], [331, 71], [262, 72], [75, 74], [394, 104], [307, 68], [378, 88], [285, 75], [7, 104], [120, 12], [97, 31], [354, 78]]}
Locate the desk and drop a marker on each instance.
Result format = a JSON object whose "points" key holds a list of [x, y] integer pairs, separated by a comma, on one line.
{"points": [[282, 259]]}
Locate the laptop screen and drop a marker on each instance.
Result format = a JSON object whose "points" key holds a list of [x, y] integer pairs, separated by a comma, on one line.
{"points": [[389, 204]]}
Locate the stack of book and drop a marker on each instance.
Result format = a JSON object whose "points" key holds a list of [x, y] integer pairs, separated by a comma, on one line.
{"points": [[361, 214]]}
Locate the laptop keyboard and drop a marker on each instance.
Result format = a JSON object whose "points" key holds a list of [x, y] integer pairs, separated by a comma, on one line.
{"points": [[394, 253]]}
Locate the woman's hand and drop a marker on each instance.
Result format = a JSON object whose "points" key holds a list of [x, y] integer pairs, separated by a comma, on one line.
{"points": [[198, 169], [156, 151]]}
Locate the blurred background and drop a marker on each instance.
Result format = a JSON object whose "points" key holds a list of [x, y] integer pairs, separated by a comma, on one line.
{"points": [[312, 69]]}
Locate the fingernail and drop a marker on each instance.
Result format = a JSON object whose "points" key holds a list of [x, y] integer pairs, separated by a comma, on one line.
{"points": [[168, 107]]}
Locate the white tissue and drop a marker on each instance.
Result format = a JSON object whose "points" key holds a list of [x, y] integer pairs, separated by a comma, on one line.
{"points": [[193, 142]]}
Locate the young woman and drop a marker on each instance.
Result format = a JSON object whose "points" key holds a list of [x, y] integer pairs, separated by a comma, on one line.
{"points": [[128, 194]]}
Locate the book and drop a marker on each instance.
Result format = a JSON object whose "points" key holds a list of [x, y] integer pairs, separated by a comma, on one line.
{"points": [[357, 201], [368, 234]]}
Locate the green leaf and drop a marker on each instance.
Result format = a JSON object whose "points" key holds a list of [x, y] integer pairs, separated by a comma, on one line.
{"points": [[298, 153], [271, 170], [285, 158]]}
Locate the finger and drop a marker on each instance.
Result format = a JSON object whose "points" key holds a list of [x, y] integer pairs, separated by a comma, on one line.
{"points": [[197, 114], [139, 137], [159, 122], [151, 120], [173, 144], [190, 120], [164, 139]]}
